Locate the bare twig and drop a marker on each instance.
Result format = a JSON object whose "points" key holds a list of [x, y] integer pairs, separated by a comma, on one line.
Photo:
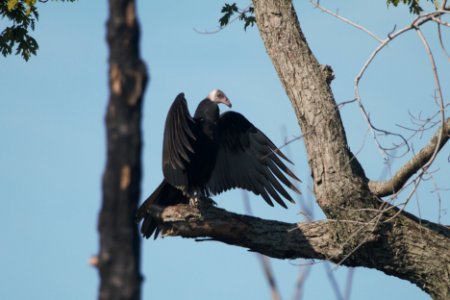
{"points": [[336, 15], [441, 22], [220, 28], [441, 42], [420, 160], [300, 283], [349, 284], [439, 138], [414, 25], [342, 104], [437, 82], [333, 282], [438, 190], [264, 260]]}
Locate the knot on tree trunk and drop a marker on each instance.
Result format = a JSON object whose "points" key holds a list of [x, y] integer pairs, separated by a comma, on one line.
{"points": [[328, 72]]}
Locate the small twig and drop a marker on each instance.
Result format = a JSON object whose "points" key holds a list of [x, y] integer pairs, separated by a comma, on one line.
{"points": [[441, 97], [341, 104], [441, 42], [420, 160], [414, 25], [408, 198], [264, 260], [437, 190], [303, 274], [220, 28], [441, 136], [392, 31], [349, 284], [441, 22], [336, 15], [333, 282]]}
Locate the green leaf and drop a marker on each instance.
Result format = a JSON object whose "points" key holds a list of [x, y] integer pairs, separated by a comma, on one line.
{"points": [[12, 4], [250, 21], [228, 10], [414, 6], [245, 15]]}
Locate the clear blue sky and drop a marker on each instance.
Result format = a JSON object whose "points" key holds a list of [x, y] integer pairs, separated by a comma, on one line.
{"points": [[53, 141]]}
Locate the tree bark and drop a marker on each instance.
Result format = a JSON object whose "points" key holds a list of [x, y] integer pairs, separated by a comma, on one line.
{"points": [[340, 185], [361, 230], [119, 257]]}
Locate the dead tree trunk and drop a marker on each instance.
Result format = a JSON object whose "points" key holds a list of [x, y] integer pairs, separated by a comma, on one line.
{"points": [[361, 230], [119, 257]]}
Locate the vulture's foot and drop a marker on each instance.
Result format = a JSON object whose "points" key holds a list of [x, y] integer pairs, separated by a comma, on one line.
{"points": [[199, 201]]}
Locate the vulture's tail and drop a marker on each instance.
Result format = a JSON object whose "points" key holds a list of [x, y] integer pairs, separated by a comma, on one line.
{"points": [[164, 195]]}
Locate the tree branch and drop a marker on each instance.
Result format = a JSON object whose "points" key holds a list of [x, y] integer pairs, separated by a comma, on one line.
{"points": [[348, 21], [375, 245], [312, 240], [391, 186]]}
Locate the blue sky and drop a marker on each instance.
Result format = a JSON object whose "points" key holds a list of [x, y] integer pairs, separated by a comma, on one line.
{"points": [[53, 141]]}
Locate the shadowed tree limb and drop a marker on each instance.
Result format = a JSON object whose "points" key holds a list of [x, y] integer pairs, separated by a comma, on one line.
{"points": [[393, 185], [377, 246], [305, 240]]}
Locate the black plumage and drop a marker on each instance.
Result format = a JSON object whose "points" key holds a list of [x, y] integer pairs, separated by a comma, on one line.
{"points": [[210, 153]]}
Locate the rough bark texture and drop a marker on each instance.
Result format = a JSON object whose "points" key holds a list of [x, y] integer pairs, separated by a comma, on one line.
{"points": [[340, 186], [119, 257], [361, 229], [315, 240]]}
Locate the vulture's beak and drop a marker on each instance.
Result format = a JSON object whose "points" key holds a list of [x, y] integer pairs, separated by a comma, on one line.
{"points": [[227, 102]]}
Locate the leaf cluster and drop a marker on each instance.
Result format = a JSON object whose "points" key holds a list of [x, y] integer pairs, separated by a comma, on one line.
{"points": [[414, 6], [245, 15], [23, 15]]}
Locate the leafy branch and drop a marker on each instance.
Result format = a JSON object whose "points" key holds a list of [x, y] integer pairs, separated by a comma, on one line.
{"points": [[245, 15], [23, 15], [414, 6]]}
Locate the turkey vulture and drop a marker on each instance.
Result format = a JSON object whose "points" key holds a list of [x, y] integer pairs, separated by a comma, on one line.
{"points": [[210, 153]]}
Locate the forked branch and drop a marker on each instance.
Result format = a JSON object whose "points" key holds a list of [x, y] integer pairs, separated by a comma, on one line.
{"points": [[393, 185]]}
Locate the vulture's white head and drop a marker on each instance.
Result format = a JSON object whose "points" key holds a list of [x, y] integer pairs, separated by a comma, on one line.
{"points": [[218, 96]]}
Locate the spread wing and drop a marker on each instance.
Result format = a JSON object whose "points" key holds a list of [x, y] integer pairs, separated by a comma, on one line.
{"points": [[178, 142], [248, 159]]}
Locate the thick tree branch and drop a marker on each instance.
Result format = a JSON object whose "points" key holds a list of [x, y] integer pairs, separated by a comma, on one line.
{"points": [[276, 239], [393, 185], [376, 245]]}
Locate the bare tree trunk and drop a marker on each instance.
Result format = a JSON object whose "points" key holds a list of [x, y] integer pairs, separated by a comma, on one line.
{"points": [[340, 185], [119, 258], [361, 230]]}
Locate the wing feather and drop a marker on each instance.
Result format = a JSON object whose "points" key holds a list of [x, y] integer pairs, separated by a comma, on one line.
{"points": [[178, 142], [248, 159]]}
